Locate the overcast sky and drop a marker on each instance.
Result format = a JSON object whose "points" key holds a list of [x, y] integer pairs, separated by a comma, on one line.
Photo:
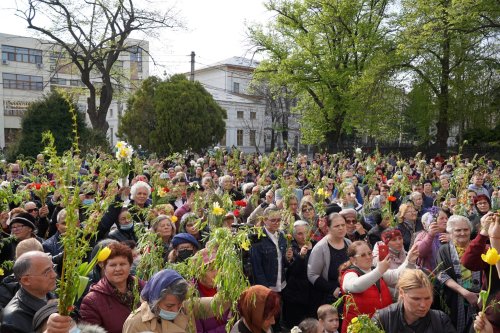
{"points": [[215, 31]]}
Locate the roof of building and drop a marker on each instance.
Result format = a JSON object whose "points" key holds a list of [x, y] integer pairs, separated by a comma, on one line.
{"points": [[225, 96], [238, 61]]}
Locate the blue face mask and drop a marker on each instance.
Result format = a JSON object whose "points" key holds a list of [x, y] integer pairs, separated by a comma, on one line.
{"points": [[168, 315], [88, 202], [74, 329], [127, 226]]}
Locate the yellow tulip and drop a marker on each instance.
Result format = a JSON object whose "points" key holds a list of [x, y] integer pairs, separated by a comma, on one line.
{"points": [[217, 210], [173, 218], [491, 257], [2, 272], [245, 245], [103, 254]]}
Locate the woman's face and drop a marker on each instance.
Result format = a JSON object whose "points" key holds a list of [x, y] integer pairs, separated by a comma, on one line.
{"points": [[417, 301], [293, 205], [363, 257], [141, 195], [191, 228], [170, 303], [417, 200], [164, 229], [442, 219], [461, 233], [396, 243], [124, 218], [483, 206], [20, 231], [117, 270], [349, 195], [308, 212], [338, 228], [410, 214]]}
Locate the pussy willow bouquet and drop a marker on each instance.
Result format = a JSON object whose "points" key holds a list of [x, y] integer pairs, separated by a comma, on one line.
{"points": [[363, 323]]}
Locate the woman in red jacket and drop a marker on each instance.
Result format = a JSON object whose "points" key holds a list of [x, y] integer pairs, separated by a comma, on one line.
{"points": [[365, 284], [110, 301]]}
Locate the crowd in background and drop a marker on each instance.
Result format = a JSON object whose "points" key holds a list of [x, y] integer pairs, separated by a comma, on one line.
{"points": [[339, 236]]}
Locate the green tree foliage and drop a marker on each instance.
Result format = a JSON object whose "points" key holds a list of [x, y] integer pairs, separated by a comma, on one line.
{"points": [[51, 113], [320, 49], [446, 44], [172, 115]]}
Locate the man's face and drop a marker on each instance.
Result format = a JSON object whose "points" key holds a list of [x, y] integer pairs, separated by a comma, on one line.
{"points": [[417, 301], [272, 222], [14, 170], [41, 277]]}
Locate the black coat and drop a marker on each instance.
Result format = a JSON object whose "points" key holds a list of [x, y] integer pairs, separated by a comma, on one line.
{"points": [[18, 314]]}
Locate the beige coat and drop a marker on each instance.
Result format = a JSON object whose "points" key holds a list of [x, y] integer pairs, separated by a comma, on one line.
{"points": [[143, 320]]}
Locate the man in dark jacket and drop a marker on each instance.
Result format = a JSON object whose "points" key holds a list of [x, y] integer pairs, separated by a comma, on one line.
{"points": [[269, 255], [35, 273], [413, 312]]}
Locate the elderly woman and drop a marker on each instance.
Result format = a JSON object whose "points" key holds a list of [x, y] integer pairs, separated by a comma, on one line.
{"points": [[418, 203], [124, 228], [165, 229], [258, 307], [110, 301], [461, 286], [432, 237], [408, 224], [139, 193], [482, 205], [226, 186], [188, 225], [366, 284], [348, 199], [163, 309]]}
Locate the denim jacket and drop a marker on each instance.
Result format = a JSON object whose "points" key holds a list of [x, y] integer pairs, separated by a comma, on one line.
{"points": [[264, 258]]}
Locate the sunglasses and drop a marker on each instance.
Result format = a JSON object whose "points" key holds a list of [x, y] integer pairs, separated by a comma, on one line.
{"points": [[31, 210]]}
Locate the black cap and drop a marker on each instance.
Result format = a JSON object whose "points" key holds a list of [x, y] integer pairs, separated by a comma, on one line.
{"points": [[332, 208]]}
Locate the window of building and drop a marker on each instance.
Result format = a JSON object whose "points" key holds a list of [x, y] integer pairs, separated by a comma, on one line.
{"points": [[136, 56], [252, 137], [239, 137], [253, 115], [59, 81], [75, 83], [110, 113], [111, 136], [239, 114], [23, 82], [236, 87], [21, 54]]}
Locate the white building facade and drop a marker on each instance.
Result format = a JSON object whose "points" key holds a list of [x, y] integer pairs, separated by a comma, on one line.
{"points": [[228, 81], [31, 68]]}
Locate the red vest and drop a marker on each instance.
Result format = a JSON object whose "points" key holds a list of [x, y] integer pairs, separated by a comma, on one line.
{"points": [[367, 302]]}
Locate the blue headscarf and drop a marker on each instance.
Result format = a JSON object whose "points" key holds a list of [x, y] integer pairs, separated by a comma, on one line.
{"points": [[157, 283]]}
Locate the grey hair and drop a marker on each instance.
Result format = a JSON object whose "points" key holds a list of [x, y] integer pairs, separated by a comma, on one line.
{"points": [[136, 186], [178, 289], [23, 264], [158, 219], [414, 194], [223, 179], [299, 223], [61, 215], [452, 220]]}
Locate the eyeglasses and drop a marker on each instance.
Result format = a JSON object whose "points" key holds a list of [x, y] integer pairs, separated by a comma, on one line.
{"points": [[351, 221], [17, 227], [31, 210], [46, 273], [364, 255], [274, 220], [331, 184], [305, 210], [13, 171]]}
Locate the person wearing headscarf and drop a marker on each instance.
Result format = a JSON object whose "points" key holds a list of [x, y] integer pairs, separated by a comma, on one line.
{"points": [[258, 307], [164, 305]]}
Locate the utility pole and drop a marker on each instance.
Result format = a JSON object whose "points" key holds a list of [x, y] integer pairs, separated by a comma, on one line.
{"points": [[192, 66]]}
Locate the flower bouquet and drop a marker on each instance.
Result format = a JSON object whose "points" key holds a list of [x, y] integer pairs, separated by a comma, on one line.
{"points": [[363, 323], [123, 153]]}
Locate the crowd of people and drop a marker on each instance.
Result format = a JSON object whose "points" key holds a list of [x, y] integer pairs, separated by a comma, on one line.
{"points": [[332, 237]]}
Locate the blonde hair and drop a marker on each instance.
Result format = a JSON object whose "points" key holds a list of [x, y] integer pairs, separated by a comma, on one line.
{"points": [[402, 211], [413, 279], [27, 245], [325, 310]]}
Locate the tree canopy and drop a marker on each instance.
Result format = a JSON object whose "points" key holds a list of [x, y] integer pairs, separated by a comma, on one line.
{"points": [[52, 113], [172, 115]]}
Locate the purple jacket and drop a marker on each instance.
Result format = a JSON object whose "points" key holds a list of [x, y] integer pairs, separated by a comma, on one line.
{"points": [[212, 324]]}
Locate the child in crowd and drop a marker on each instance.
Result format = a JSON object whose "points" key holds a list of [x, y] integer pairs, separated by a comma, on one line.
{"points": [[328, 318]]}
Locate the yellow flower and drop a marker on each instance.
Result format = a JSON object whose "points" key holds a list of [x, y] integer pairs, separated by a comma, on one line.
{"points": [[161, 192], [321, 192], [353, 320], [103, 254], [491, 257], [245, 245], [2, 272], [173, 218], [120, 144], [217, 210]]}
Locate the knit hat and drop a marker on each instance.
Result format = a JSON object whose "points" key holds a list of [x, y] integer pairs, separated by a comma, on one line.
{"points": [[390, 234], [25, 219], [157, 283], [332, 208], [184, 238]]}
